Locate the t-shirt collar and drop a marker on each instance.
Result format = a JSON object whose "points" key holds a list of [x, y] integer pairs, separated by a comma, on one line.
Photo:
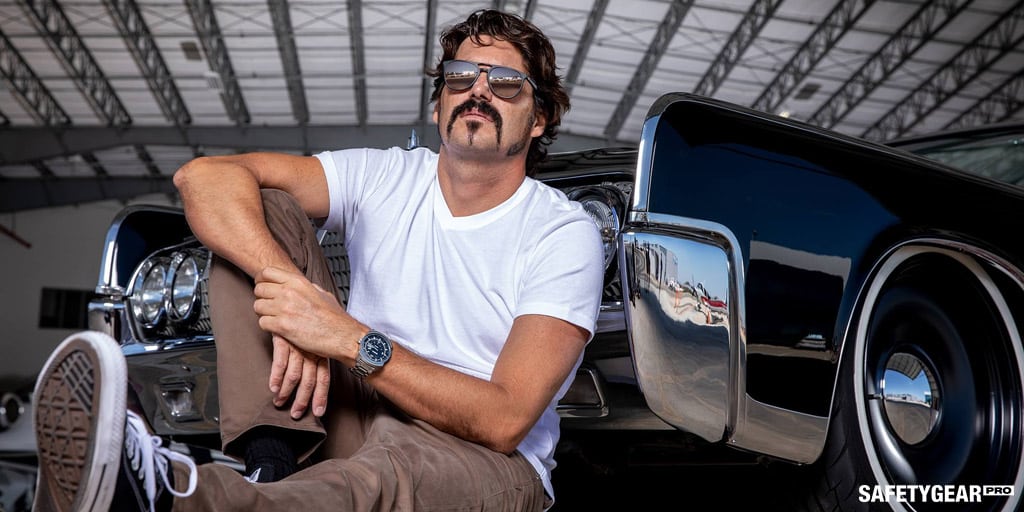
{"points": [[448, 221]]}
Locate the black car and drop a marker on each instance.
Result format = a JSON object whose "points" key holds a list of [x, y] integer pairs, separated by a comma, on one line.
{"points": [[774, 292]]}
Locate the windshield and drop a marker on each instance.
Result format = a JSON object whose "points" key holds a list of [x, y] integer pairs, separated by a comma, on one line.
{"points": [[998, 155]]}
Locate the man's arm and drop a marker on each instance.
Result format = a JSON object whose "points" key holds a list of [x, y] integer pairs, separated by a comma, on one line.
{"points": [[535, 361], [221, 196], [539, 354]]}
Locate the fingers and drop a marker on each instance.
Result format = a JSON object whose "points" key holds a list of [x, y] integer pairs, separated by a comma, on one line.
{"points": [[285, 370], [307, 377], [270, 275], [323, 385], [304, 388], [281, 306], [276, 275], [276, 305], [279, 364], [292, 376]]}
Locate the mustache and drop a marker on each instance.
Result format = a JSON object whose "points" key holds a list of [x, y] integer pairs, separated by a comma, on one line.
{"points": [[484, 108]]}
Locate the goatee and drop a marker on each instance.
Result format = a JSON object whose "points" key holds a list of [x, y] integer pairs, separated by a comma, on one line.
{"points": [[484, 108]]}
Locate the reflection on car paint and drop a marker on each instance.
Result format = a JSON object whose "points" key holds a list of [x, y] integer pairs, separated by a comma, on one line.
{"points": [[680, 331]]}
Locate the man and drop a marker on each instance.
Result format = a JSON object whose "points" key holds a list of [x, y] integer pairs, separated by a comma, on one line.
{"points": [[474, 290]]}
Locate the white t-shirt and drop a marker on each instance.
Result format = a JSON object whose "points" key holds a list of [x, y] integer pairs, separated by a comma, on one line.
{"points": [[448, 288]]}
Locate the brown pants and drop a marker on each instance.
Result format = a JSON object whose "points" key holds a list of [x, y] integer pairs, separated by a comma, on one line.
{"points": [[365, 454]]}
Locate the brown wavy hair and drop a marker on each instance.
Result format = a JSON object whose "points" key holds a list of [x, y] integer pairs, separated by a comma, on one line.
{"points": [[549, 97]]}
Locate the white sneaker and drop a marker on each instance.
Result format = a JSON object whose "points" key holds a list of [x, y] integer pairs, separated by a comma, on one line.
{"points": [[83, 432]]}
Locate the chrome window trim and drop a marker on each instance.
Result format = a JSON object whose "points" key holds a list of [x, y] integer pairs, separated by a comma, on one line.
{"points": [[642, 176]]}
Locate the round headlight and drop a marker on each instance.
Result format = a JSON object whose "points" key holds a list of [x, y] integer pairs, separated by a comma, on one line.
{"points": [[184, 285], [151, 293], [607, 221]]}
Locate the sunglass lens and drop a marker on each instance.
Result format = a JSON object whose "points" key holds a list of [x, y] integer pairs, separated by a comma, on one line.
{"points": [[505, 82], [459, 75]]}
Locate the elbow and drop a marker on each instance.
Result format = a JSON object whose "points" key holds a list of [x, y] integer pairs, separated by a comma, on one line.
{"points": [[505, 446], [506, 438], [187, 173]]}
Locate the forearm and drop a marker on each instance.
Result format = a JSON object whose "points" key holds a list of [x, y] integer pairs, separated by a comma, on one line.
{"points": [[224, 209], [462, 405], [474, 409], [537, 358]]}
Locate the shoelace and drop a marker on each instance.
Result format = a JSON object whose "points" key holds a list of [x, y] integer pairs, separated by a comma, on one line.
{"points": [[148, 457]]}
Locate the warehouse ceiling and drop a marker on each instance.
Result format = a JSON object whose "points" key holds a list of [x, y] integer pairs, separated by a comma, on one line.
{"points": [[105, 99]]}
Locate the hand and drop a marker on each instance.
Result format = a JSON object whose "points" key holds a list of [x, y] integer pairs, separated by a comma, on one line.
{"points": [[307, 375], [308, 327]]}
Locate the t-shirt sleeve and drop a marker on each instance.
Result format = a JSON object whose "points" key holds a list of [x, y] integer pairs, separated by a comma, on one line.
{"points": [[352, 176], [565, 276]]}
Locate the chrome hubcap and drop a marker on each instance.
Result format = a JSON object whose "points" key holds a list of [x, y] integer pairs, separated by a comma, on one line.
{"points": [[911, 397]]}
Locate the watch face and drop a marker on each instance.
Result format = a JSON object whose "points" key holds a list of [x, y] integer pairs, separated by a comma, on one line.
{"points": [[376, 349]]}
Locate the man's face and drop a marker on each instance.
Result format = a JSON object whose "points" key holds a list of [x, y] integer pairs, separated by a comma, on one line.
{"points": [[477, 121]]}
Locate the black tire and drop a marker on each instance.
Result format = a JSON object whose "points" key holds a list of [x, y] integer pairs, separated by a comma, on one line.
{"points": [[953, 329]]}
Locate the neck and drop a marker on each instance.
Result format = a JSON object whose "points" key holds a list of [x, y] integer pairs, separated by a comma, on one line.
{"points": [[473, 186]]}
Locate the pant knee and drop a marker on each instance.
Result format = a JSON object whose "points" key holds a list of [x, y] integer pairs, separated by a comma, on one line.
{"points": [[281, 207], [290, 226]]}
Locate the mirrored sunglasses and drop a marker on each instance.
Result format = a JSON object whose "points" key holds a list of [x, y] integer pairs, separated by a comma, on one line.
{"points": [[504, 82]]}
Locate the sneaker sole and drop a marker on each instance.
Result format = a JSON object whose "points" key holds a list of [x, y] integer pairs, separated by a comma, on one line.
{"points": [[79, 422]]}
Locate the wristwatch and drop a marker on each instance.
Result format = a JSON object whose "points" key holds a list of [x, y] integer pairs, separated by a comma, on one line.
{"points": [[374, 352]]}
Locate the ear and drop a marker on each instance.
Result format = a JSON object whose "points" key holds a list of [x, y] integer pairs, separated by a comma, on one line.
{"points": [[436, 106], [540, 123]]}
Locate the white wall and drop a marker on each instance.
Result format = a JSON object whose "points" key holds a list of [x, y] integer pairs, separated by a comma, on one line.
{"points": [[66, 245]]}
